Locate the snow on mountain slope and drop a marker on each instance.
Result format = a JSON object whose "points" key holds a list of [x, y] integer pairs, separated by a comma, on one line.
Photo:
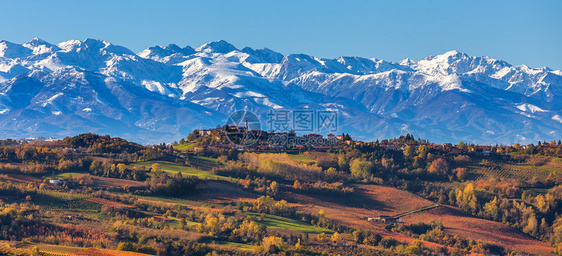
{"points": [[93, 85]]}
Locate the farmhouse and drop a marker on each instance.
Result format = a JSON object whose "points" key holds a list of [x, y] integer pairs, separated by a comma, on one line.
{"points": [[72, 216], [56, 182], [384, 219]]}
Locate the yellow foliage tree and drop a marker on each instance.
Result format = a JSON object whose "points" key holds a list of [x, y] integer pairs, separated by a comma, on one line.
{"points": [[336, 237], [272, 244]]}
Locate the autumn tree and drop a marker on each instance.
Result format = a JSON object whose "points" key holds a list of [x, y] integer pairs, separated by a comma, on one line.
{"points": [[272, 244], [156, 167], [439, 167], [274, 188], [422, 151], [409, 151], [361, 168], [336, 237], [297, 185]]}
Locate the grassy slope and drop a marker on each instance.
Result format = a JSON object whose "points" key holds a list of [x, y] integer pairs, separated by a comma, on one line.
{"points": [[184, 147], [300, 158], [173, 168], [244, 247], [277, 222], [214, 160], [68, 175]]}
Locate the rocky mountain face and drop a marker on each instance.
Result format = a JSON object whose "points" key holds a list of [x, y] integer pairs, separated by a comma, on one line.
{"points": [[163, 93]]}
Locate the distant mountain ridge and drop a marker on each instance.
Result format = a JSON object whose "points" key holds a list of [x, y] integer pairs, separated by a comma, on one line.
{"points": [[163, 93]]}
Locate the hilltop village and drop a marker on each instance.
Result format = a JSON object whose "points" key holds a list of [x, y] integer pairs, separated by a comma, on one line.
{"points": [[244, 139]]}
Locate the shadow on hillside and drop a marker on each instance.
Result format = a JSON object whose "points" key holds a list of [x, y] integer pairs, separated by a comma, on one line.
{"points": [[358, 199]]}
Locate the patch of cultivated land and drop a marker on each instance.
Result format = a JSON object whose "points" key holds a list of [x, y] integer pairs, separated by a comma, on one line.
{"points": [[112, 182], [459, 223], [521, 171], [221, 192], [282, 223], [368, 200], [184, 147], [173, 168], [104, 182], [239, 246], [104, 252], [109, 203], [381, 200], [68, 250], [172, 202], [22, 178]]}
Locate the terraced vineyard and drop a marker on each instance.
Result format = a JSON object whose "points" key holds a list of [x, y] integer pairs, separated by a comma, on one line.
{"points": [[518, 171], [60, 201]]}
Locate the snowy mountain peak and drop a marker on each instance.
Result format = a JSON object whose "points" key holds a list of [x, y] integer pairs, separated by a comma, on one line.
{"points": [[449, 97], [171, 54], [94, 46], [162, 52], [407, 62], [264, 55], [448, 57], [39, 46], [220, 46], [37, 42], [11, 50], [455, 53], [68, 45]]}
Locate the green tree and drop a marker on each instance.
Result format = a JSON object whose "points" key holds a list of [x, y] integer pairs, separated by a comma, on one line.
{"points": [[358, 236], [492, 209], [361, 168], [462, 146], [343, 163]]}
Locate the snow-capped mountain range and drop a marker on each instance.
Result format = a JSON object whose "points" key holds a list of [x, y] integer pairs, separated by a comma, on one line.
{"points": [[163, 93]]}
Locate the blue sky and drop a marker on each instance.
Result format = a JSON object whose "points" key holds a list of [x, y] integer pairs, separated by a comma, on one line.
{"points": [[520, 32]]}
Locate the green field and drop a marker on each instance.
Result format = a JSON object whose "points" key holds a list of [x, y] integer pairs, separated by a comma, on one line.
{"points": [[245, 247], [214, 160], [68, 175], [277, 222], [300, 158], [174, 200], [176, 223], [173, 168], [184, 147]]}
